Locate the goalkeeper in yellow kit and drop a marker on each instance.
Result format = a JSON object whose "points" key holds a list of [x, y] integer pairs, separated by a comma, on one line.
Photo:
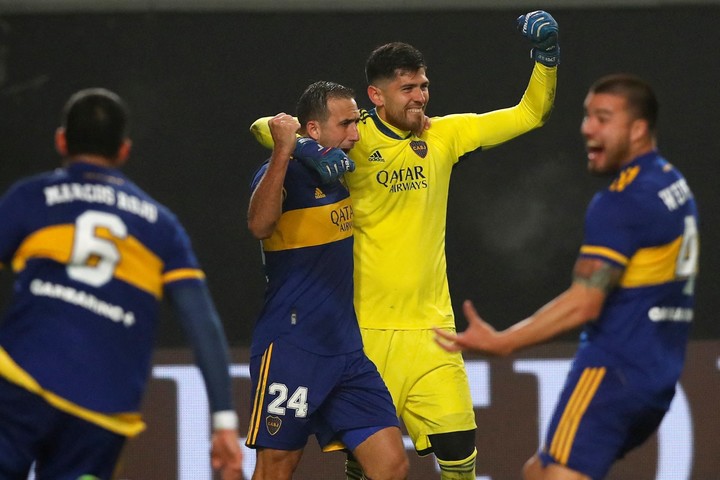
{"points": [[399, 192]]}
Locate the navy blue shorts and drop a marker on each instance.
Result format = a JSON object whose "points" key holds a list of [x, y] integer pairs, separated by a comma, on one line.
{"points": [[64, 447], [340, 399], [600, 416]]}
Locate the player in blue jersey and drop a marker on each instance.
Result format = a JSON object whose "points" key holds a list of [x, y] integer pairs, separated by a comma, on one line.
{"points": [[307, 364], [632, 290], [93, 255]]}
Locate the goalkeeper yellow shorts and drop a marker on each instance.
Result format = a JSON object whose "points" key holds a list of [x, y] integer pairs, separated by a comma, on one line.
{"points": [[429, 386]]}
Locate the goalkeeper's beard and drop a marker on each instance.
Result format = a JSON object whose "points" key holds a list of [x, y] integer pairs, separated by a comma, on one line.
{"points": [[413, 121]]}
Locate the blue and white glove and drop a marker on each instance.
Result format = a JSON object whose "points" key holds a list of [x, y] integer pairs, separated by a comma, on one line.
{"points": [[329, 163], [542, 30]]}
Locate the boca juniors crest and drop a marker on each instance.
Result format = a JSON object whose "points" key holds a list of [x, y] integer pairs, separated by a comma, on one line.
{"points": [[273, 424], [419, 147]]}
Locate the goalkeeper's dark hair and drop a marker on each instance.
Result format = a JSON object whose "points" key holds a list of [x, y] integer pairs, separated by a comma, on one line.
{"points": [[385, 61], [312, 104], [637, 92], [95, 122]]}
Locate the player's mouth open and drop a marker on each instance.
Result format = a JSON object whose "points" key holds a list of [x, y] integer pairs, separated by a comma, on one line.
{"points": [[593, 151]]}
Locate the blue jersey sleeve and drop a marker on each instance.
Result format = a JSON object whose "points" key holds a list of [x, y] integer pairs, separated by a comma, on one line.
{"points": [[196, 311], [180, 264], [257, 176], [614, 224]]}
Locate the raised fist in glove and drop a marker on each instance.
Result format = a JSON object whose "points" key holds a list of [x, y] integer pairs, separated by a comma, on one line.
{"points": [[542, 30], [329, 163]]}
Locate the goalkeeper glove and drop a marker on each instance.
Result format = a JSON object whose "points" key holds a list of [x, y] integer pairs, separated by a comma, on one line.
{"points": [[542, 30], [330, 163]]}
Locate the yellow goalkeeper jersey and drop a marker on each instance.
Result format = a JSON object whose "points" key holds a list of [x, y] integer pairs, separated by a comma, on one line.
{"points": [[399, 192]]}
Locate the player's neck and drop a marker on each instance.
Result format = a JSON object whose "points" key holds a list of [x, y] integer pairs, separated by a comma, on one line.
{"points": [[91, 159]]}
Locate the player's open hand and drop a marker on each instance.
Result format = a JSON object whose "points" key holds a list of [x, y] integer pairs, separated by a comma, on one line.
{"points": [[479, 336], [226, 455]]}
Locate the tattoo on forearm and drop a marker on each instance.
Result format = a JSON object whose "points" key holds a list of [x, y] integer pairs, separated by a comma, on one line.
{"points": [[604, 277]]}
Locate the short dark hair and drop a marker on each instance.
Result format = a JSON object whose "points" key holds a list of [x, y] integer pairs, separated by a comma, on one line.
{"points": [[95, 122], [312, 104], [637, 92], [386, 60]]}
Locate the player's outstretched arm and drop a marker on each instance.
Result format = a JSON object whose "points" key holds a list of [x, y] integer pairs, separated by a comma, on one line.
{"points": [[534, 109], [582, 302], [565, 312]]}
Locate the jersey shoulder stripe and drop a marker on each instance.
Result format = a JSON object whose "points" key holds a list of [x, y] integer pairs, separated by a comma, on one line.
{"points": [[137, 266], [604, 252]]}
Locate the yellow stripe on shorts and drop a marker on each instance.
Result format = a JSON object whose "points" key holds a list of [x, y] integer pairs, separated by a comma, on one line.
{"points": [[574, 410], [257, 412]]}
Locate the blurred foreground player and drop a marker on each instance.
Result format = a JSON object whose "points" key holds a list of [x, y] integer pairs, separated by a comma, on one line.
{"points": [[633, 289], [93, 256]]}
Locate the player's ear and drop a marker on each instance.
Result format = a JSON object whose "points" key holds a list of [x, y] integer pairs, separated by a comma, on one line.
{"points": [[61, 142], [124, 152], [639, 129], [375, 95], [313, 129]]}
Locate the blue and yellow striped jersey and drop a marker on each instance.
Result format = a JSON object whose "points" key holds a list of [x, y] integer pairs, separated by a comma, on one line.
{"points": [[309, 268], [646, 222], [92, 254]]}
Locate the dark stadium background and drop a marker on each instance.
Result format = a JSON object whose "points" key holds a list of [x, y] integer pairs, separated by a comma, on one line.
{"points": [[196, 80]]}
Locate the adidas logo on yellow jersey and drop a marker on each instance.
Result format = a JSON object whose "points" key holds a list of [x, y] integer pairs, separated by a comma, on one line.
{"points": [[376, 157], [319, 193]]}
